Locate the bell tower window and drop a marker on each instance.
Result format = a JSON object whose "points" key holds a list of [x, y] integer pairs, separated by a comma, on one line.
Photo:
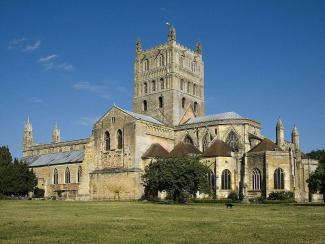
{"points": [[183, 102], [153, 85], [145, 105], [161, 102]]}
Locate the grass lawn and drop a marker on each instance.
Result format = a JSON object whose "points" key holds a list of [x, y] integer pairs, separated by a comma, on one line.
{"points": [[107, 222]]}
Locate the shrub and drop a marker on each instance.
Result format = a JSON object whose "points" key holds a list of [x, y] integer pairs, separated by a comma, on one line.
{"points": [[233, 196], [281, 195], [38, 193]]}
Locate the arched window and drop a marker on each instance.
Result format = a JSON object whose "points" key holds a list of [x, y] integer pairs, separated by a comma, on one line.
{"points": [[194, 89], [55, 177], [161, 60], [256, 179], [145, 105], [233, 141], [226, 180], [153, 85], [162, 84], [146, 65], [181, 84], [79, 174], [161, 102], [188, 139], [183, 102], [145, 87], [193, 66], [195, 107], [67, 175], [107, 141], [205, 142], [279, 179], [119, 139]]}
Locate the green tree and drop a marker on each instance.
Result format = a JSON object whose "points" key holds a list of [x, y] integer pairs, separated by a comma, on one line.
{"points": [[15, 176], [177, 176], [316, 181]]}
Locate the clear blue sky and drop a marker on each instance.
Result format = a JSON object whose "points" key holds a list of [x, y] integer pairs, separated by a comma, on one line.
{"points": [[69, 61]]}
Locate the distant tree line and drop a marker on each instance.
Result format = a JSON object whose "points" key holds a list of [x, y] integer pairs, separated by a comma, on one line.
{"points": [[316, 181], [15, 177]]}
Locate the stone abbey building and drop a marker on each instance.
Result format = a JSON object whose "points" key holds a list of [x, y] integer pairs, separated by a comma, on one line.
{"points": [[168, 119]]}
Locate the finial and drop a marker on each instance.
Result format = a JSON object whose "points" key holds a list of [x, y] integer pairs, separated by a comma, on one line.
{"points": [[138, 46], [279, 123], [198, 48], [171, 32], [56, 126]]}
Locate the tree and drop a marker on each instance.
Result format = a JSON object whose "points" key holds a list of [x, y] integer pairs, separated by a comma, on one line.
{"points": [[15, 176], [316, 181], [177, 176]]}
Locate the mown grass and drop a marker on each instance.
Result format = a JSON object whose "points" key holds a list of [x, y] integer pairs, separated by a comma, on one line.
{"points": [[136, 222]]}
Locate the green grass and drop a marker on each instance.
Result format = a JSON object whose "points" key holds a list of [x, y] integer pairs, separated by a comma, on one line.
{"points": [[107, 222]]}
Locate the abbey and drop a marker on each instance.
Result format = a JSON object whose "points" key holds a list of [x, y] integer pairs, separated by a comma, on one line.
{"points": [[168, 119]]}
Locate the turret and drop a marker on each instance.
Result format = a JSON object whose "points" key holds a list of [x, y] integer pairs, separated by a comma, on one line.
{"points": [[56, 134], [295, 137], [171, 33], [28, 134], [280, 133]]}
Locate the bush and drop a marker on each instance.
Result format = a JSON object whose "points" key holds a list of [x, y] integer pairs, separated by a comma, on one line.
{"points": [[38, 193], [233, 196], [281, 196]]}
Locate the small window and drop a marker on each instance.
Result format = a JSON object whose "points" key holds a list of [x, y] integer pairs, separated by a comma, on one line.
{"points": [[145, 105], [161, 102], [55, 177], [161, 60], [194, 89], [188, 139], [183, 102], [195, 107], [153, 85], [226, 180], [146, 65], [79, 173], [67, 175], [107, 141], [119, 139], [145, 87], [279, 179], [113, 120], [182, 84], [162, 84]]}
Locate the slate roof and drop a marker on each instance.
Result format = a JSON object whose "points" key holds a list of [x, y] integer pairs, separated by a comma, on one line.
{"points": [[212, 117], [55, 158], [155, 151], [217, 149], [265, 145], [184, 149]]}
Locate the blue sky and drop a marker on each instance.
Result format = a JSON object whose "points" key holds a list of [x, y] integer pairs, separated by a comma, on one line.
{"points": [[69, 61]]}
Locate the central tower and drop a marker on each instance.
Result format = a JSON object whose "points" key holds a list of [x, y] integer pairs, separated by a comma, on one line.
{"points": [[169, 81]]}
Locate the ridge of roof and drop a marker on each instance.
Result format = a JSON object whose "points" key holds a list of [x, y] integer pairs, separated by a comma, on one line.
{"points": [[184, 149], [211, 117], [218, 149], [155, 151], [265, 145]]}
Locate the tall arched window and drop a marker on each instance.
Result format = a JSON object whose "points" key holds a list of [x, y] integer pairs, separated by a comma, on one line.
{"points": [[145, 87], [79, 174], [194, 89], [188, 139], [181, 85], [153, 85], [205, 142], [162, 84], [107, 141], [233, 141], [226, 180], [161, 101], [279, 179], [145, 105], [67, 175], [55, 177], [183, 102], [256, 179], [146, 65], [119, 139], [195, 107], [161, 60]]}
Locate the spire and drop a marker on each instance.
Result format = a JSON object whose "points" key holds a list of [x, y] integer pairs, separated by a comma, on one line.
{"points": [[56, 134], [28, 134], [279, 123], [295, 130], [280, 133], [295, 137], [138, 46], [171, 32], [198, 48]]}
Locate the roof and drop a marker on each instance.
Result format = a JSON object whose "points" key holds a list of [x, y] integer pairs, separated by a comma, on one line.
{"points": [[184, 149], [212, 117], [265, 145], [55, 158], [155, 151], [217, 149]]}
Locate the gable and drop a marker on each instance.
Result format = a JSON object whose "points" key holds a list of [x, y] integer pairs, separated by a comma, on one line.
{"points": [[188, 114]]}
